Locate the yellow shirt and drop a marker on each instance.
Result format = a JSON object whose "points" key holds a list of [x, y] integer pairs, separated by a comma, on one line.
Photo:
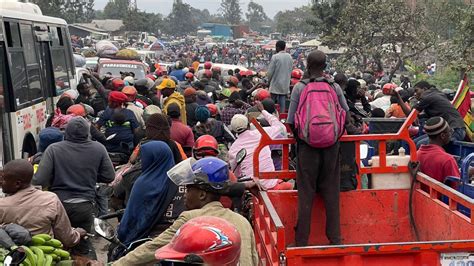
{"points": [[145, 254]]}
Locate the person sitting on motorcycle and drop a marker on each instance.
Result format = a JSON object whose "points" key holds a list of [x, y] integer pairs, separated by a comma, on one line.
{"points": [[80, 110], [236, 106], [133, 105], [205, 250], [124, 127], [40, 212], [249, 139], [151, 193], [47, 136], [210, 126], [204, 186]]}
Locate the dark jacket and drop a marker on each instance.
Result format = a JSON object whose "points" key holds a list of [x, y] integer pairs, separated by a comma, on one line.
{"points": [[71, 168]]}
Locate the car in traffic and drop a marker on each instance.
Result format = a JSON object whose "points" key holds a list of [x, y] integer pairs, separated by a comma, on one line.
{"points": [[114, 68]]}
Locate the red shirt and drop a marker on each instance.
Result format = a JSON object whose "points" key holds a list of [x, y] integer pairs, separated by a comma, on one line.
{"points": [[182, 134], [437, 163]]}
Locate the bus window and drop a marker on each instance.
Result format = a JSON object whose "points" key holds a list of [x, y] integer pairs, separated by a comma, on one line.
{"points": [[32, 66], [13, 34], [54, 36], [69, 58], [60, 70], [18, 77], [5, 144]]}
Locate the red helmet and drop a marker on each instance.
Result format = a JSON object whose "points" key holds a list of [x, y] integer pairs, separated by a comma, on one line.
{"points": [[189, 75], [207, 239], [207, 73], [216, 69], [296, 73], [205, 145], [387, 88], [212, 108], [118, 84], [233, 81], [207, 65], [262, 95]]}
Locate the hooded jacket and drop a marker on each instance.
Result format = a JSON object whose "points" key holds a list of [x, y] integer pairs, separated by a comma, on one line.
{"points": [[71, 168], [177, 98]]}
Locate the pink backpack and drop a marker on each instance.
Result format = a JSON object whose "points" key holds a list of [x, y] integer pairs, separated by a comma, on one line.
{"points": [[319, 118]]}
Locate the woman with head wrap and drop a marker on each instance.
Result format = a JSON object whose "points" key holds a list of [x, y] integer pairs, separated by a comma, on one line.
{"points": [[210, 126], [151, 194], [61, 108]]}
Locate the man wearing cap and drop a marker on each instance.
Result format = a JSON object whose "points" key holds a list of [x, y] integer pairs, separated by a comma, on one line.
{"points": [[249, 139], [434, 160], [167, 88], [204, 187], [180, 132], [191, 105], [279, 74]]}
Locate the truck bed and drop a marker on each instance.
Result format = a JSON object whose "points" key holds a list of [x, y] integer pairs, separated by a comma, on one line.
{"points": [[375, 227]]}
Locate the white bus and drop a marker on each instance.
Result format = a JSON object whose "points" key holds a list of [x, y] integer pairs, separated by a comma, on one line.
{"points": [[36, 67]]}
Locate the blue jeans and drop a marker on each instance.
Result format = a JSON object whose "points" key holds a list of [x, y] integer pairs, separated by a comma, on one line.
{"points": [[458, 135], [280, 99]]}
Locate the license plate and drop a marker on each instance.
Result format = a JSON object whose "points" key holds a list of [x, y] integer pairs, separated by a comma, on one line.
{"points": [[457, 259]]}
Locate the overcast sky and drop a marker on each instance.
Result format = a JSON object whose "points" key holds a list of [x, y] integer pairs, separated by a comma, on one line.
{"points": [[271, 7]]}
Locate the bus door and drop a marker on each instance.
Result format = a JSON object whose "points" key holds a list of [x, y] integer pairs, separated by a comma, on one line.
{"points": [[42, 39], [6, 136]]}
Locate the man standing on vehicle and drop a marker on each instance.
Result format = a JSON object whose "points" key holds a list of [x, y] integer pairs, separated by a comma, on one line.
{"points": [[317, 168], [279, 75], [71, 169]]}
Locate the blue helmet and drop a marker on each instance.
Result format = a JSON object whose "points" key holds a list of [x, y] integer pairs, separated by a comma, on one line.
{"points": [[211, 171]]}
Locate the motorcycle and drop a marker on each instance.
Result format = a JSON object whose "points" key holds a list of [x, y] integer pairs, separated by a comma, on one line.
{"points": [[109, 233]]}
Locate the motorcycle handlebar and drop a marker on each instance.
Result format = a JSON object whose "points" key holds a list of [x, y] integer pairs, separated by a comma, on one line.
{"points": [[112, 215]]}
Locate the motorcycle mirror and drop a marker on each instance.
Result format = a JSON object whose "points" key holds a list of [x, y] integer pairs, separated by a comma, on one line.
{"points": [[104, 229], [239, 158], [364, 151], [111, 136], [15, 257]]}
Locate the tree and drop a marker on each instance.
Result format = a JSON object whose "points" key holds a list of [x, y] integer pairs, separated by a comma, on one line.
{"points": [[73, 11], [326, 14], [231, 11], [181, 20], [255, 16], [115, 9], [384, 30], [294, 21]]}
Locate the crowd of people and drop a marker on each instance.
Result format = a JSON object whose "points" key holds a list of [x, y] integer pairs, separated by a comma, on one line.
{"points": [[203, 118]]}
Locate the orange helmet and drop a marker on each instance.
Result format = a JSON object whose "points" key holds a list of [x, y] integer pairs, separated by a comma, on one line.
{"points": [[212, 108], [77, 110], [129, 90], [218, 243], [205, 145], [296, 73]]}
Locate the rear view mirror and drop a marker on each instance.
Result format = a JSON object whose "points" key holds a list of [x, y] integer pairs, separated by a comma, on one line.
{"points": [[104, 229], [239, 158]]}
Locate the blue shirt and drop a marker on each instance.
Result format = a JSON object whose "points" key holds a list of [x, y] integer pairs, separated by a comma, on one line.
{"points": [[179, 74]]}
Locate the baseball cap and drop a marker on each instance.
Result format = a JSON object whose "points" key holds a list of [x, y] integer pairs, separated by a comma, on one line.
{"points": [[239, 123], [167, 83], [189, 91]]}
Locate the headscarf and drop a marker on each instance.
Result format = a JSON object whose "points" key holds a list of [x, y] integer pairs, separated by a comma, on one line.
{"points": [[48, 136], [151, 194], [157, 127]]}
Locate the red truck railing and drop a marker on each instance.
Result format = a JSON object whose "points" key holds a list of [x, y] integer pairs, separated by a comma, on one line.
{"points": [[382, 139]]}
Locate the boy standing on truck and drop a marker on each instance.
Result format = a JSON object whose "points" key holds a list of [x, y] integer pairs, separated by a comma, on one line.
{"points": [[317, 168]]}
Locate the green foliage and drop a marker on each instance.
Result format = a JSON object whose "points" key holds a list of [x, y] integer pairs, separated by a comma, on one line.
{"points": [[255, 16], [297, 20], [326, 14], [231, 11], [181, 20], [71, 11], [116, 9]]}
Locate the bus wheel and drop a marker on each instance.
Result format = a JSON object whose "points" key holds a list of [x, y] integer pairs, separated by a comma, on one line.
{"points": [[29, 146]]}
